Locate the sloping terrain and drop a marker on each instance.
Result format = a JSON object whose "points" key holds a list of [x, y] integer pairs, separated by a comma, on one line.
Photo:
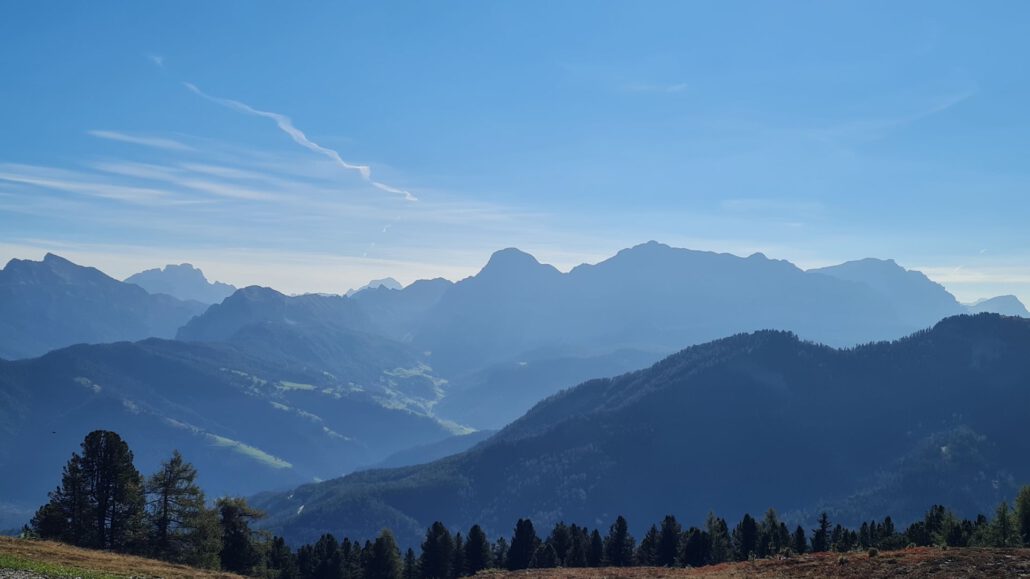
{"points": [[53, 303], [735, 425], [248, 423], [916, 563], [52, 560]]}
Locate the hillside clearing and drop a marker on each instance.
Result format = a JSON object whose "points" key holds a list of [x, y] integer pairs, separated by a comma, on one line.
{"points": [[912, 563], [52, 560]]}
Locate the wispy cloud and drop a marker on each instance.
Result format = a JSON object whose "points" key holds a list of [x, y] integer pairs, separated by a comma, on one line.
{"points": [[157, 59], [155, 142], [286, 125]]}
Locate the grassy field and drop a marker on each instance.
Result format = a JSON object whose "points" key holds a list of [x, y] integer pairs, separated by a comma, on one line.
{"points": [[57, 560], [911, 563]]}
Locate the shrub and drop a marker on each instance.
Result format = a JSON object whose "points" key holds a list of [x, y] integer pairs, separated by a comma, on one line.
{"points": [[874, 552]]}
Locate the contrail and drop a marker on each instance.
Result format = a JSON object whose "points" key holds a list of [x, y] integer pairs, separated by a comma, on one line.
{"points": [[286, 125]]}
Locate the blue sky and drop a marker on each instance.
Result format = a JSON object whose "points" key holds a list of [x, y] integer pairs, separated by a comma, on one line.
{"points": [[811, 131]]}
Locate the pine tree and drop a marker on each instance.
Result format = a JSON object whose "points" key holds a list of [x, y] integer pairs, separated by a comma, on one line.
{"points": [[647, 551], [384, 561], [1023, 515], [821, 536], [458, 563], [561, 540], [544, 557], [177, 516], [619, 544], [68, 517], [501, 553], [1003, 530], [411, 570], [719, 534], [595, 553], [798, 542], [437, 553], [668, 542], [240, 553], [578, 551], [100, 501], [696, 548], [523, 545], [771, 539], [745, 538], [477, 551], [280, 562]]}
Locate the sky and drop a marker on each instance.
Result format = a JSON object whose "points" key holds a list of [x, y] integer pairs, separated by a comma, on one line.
{"points": [[313, 146]]}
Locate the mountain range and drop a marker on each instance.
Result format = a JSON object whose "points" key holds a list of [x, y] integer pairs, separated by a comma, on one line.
{"points": [[395, 372], [733, 425], [182, 281], [53, 303]]}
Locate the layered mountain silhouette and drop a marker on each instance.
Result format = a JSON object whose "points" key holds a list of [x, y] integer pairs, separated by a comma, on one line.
{"points": [[182, 281], [732, 425], [54, 303], [248, 422], [387, 282], [1004, 305]]}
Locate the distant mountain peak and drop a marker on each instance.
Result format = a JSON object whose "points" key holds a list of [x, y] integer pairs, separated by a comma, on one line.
{"points": [[513, 261], [387, 282], [1007, 305], [183, 281]]}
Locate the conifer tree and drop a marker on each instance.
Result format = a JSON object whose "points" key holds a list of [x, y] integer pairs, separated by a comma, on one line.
{"points": [[696, 548], [458, 563], [523, 545], [410, 565], [669, 538], [561, 540], [595, 553], [647, 551], [240, 553], [1003, 531], [745, 538], [180, 524], [501, 553], [719, 534], [1023, 515], [821, 536], [384, 559], [577, 553], [544, 557], [798, 542], [100, 501], [280, 562], [437, 553], [477, 551], [619, 544]]}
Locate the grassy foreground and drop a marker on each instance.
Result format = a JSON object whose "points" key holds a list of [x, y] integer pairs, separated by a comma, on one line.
{"points": [[59, 560], [910, 563]]}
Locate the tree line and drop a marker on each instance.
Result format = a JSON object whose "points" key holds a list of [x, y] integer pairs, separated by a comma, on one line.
{"points": [[103, 502]]}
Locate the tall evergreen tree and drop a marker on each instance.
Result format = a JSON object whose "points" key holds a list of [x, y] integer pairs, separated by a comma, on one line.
{"points": [[477, 551], [437, 552], [1023, 515], [745, 538], [410, 565], [384, 561], [821, 536], [561, 539], [577, 554], [719, 534], [798, 542], [544, 557], [180, 524], [619, 544], [647, 551], [240, 552], [523, 545], [668, 542], [280, 562], [458, 563], [696, 548], [501, 553], [100, 501], [1003, 530], [595, 553]]}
